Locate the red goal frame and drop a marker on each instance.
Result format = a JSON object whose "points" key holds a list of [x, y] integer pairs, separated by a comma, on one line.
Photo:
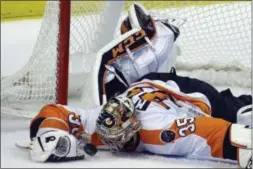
{"points": [[63, 52]]}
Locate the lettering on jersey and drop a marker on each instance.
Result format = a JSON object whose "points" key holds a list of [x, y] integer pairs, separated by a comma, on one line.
{"points": [[141, 105], [75, 122], [167, 136], [134, 92], [147, 97], [121, 47], [186, 126], [157, 97]]}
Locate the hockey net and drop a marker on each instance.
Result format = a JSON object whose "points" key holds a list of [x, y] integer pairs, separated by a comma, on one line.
{"points": [[214, 45]]}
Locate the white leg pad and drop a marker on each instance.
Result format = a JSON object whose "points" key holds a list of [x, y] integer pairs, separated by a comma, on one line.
{"points": [[244, 115], [245, 158], [240, 136]]}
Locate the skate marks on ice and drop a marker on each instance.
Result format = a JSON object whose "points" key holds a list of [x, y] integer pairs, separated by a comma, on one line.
{"points": [[11, 156]]}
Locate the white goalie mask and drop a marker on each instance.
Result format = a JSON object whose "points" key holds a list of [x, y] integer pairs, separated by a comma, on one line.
{"points": [[55, 145], [116, 124]]}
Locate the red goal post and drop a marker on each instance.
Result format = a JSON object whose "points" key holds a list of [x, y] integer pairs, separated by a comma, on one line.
{"points": [[63, 52]]}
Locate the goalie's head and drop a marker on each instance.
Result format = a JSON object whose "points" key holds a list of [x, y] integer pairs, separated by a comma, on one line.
{"points": [[54, 146], [116, 123]]}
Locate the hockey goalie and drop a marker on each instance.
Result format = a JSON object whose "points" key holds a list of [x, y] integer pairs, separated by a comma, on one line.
{"points": [[141, 110]]}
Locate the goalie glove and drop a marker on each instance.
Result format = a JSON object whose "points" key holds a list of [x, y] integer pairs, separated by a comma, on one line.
{"points": [[58, 145]]}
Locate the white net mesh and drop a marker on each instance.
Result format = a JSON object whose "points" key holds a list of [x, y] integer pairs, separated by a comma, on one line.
{"points": [[214, 45], [35, 84]]}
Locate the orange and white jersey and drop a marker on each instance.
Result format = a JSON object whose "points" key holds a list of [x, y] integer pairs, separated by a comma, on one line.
{"points": [[72, 120], [168, 129], [197, 137]]}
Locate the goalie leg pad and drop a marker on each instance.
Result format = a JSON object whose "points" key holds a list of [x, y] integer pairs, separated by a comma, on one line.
{"points": [[240, 137], [244, 115], [245, 158]]}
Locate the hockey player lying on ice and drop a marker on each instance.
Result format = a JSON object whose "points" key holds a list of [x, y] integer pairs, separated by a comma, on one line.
{"points": [[158, 114], [151, 116]]}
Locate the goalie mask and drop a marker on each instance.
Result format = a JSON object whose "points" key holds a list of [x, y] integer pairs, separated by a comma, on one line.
{"points": [[55, 146], [116, 124]]}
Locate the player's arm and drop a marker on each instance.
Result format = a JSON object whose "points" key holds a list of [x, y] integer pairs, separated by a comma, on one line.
{"points": [[57, 134], [88, 118], [202, 137]]}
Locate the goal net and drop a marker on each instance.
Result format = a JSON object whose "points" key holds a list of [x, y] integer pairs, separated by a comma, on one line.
{"points": [[214, 45]]}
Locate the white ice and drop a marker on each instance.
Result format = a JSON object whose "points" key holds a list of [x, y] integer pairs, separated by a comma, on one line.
{"points": [[17, 41]]}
